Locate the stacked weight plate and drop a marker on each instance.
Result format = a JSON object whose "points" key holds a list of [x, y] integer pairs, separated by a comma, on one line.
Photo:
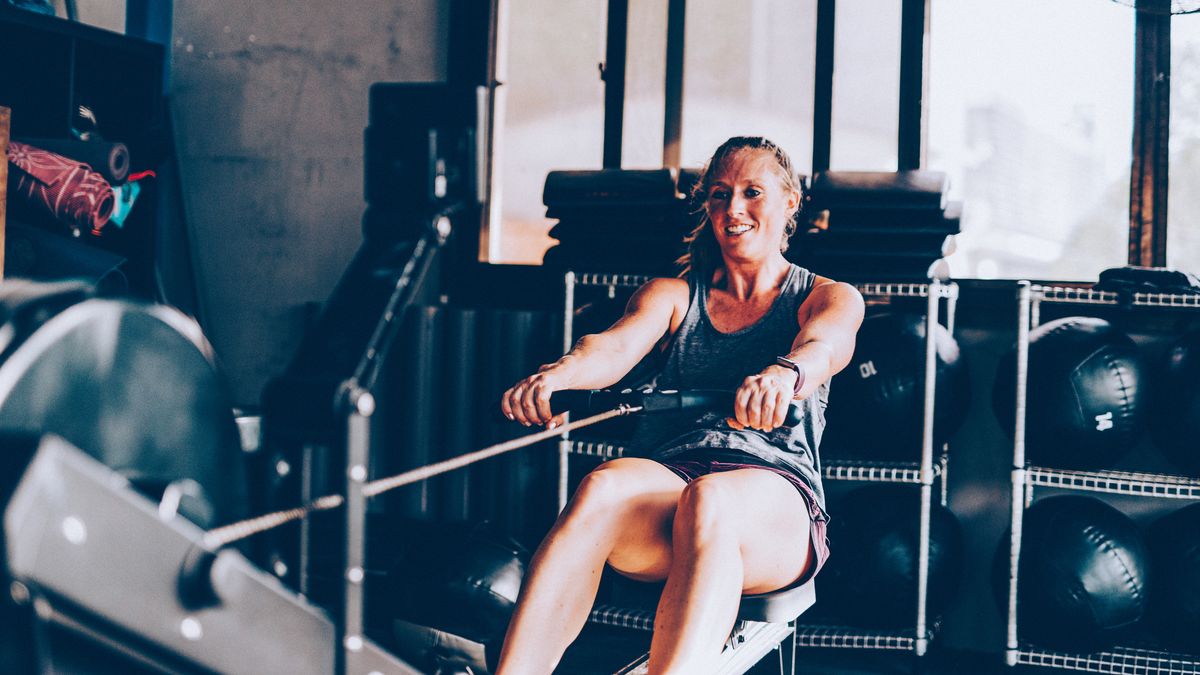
{"points": [[870, 226], [616, 221]]}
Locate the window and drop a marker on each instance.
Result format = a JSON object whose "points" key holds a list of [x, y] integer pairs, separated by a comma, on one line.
{"points": [[549, 115], [1031, 115], [866, 86], [748, 70], [1183, 211], [645, 85]]}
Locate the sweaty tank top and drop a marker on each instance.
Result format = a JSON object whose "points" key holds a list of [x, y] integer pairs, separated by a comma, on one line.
{"points": [[701, 357]]}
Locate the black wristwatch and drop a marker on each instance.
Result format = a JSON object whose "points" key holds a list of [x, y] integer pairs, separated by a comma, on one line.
{"points": [[788, 363]]}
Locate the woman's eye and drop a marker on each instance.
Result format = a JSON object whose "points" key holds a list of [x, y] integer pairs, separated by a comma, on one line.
{"points": [[753, 192], [719, 194]]}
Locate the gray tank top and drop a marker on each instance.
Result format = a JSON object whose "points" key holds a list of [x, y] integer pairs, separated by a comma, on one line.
{"points": [[701, 357]]}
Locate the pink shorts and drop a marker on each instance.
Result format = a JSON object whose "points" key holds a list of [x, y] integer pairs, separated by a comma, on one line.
{"points": [[691, 464]]}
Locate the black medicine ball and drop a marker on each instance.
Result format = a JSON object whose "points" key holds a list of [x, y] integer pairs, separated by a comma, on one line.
{"points": [[1174, 542], [876, 404], [1083, 394], [871, 578], [460, 577], [1083, 575], [1176, 410]]}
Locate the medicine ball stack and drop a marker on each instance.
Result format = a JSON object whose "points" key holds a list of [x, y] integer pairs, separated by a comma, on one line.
{"points": [[616, 221], [1176, 412], [877, 402], [894, 226], [871, 579], [1174, 542], [1084, 404], [1084, 574]]}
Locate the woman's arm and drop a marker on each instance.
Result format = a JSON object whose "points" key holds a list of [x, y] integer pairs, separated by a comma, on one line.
{"points": [[602, 359], [829, 319]]}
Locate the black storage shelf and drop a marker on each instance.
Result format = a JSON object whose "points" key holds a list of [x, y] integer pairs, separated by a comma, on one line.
{"points": [[1143, 660], [914, 640], [50, 68]]}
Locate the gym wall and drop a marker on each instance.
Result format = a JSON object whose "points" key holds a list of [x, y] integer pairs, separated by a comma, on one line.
{"points": [[270, 102]]}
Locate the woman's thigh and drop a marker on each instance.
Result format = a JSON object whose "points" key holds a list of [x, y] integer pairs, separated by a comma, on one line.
{"points": [[642, 494], [771, 522]]}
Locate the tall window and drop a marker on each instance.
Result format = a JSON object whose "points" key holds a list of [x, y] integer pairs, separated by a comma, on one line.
{"points": [[550, 115], [748, 69], [645, 85], [866, 86], [1183, 199], [1030, 113]]}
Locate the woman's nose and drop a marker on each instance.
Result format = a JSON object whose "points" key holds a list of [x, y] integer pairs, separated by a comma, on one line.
{"points": [[737, 205]]}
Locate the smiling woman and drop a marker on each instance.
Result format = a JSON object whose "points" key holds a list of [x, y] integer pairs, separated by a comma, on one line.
{"points": [[716, 504]]}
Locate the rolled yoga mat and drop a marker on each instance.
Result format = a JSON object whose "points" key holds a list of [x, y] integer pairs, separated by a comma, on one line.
{"points": [[110, 160], [67, 190]]}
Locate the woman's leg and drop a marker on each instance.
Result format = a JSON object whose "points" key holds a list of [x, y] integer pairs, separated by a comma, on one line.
{"points": [[734, 532], [621, 512]]}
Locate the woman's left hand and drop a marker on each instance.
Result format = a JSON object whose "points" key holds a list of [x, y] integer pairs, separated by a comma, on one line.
{"points": [[762, 401]]}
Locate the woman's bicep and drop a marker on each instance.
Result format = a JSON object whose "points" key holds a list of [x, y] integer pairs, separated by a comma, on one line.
{"points": [[648, 317]]}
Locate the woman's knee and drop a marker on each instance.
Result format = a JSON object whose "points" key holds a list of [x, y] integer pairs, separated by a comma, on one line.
{"points": [[707, 511], [605, 490]]}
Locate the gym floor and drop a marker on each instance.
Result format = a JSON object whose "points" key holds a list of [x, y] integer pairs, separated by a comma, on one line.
{"points": [[608, 649]]}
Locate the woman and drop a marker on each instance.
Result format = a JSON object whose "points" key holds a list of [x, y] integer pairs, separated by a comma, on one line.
{"points": [[716, 505]]}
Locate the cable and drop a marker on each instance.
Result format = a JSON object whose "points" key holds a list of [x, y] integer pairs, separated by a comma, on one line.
{"points": [[227, 534]]}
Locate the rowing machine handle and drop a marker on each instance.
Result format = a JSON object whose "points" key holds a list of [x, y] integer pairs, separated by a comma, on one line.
{"points": [[595, 401]]}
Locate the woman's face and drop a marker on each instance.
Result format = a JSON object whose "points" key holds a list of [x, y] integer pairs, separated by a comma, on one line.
{"points": [[749, 205]]}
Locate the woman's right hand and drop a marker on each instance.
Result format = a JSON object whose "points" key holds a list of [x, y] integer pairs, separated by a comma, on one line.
{"points": [[528, 401]]}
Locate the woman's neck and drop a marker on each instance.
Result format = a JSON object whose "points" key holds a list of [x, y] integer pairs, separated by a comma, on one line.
{"points": [[746, 280]]}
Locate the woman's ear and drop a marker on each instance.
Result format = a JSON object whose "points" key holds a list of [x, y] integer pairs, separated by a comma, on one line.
{"points": [[793, 201]]}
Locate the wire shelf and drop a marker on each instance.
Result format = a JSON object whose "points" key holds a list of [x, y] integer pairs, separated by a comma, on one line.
{"points": [[1120, 660], [907, 290], [596, 449], [894, 290], [846, 637], [1116, 482], [879, 472], [599, 279], [623, 617], [1087, 296]]}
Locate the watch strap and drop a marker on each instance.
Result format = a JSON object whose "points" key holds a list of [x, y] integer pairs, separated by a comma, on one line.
{"points": [[788, 363]]}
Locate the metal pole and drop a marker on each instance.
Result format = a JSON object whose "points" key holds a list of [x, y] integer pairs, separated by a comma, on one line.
{"points": [[564, 442], [673, 109], [361, 405], [614, 81], [1019, 486], [823, 87], [931, 324], [951, 313]]}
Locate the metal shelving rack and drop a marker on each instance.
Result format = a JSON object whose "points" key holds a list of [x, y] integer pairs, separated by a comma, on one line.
{"points": [[1025, 478], [923, 473]]}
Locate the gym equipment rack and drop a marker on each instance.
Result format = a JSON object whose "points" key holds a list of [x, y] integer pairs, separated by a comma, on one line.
{"points": [[1121, 659], [924, 473]]}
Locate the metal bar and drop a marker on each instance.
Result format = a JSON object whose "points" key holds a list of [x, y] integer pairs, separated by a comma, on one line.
{"points": [[564, 445], [930, 391], [1151, 132], [944, 476], [823, 86], [673, 111], [951, 308], [1017, 506], [613, 73], [361, 406], [914, 45]]}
